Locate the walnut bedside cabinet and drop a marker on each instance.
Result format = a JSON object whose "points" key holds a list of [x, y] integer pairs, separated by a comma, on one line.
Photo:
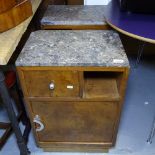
{"points": [[74, 85]]}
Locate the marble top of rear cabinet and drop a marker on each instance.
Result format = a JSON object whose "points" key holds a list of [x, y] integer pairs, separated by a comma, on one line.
{"points": [[74, 15], [73, 48]]}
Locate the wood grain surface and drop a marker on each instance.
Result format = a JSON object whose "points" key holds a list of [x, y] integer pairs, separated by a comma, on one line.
{"points": [[75, 27], [100, 85], [76, 122], [7, 4], [75, 2], [37, 83], [10, 39], [15, 15], [85, 122]]}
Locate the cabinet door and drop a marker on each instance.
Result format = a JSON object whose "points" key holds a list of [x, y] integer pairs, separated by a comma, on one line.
{"points": [[76, 122], [51, 83]]}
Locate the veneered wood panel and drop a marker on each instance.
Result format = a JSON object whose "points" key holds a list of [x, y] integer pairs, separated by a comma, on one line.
{"points": [[15, 15], [72, 68], [76, 122], [75, 27], [7, 4], [101, 85], [37, 83], [75, 2]]}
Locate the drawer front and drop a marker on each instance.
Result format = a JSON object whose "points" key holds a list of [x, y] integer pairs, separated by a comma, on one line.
{"points": [[51, 83], [71, 122]]}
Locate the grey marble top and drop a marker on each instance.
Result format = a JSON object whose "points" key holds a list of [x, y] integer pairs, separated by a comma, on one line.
{"points": [[74, 15], [73, 48]]}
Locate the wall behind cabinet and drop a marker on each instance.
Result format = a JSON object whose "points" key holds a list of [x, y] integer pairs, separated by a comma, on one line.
{"points": [[96, 2]]}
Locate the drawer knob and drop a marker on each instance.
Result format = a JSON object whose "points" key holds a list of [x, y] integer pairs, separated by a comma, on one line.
{"points": [[37, 120], [51, 86]]}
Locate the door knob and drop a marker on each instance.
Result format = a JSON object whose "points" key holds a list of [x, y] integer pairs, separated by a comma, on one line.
{"points": [[37, 120], [51, 86]]}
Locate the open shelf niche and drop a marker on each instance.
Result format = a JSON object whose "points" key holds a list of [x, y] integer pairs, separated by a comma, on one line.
{"points": [[102, 85]]}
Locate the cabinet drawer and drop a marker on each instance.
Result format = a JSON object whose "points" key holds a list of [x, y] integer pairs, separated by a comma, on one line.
{"points": [[76, 122], [51, 83]]}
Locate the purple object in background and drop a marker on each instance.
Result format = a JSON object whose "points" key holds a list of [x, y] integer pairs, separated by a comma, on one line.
{"points": [[138, 6], [139, 26]]}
